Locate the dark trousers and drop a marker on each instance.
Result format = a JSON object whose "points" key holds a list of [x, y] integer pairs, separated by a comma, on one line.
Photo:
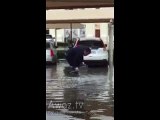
{"points": [[71, 63]]}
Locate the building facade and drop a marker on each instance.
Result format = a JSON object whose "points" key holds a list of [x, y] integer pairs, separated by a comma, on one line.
{"points": [[90, 30]]}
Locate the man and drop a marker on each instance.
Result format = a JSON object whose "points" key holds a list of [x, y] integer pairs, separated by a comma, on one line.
{"points": [[75, 56]]}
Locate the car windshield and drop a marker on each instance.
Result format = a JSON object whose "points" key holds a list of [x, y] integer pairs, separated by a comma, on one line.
{"points": [[47, 45], [91, 43]]}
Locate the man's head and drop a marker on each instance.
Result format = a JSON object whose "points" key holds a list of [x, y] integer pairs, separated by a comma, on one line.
{"points": [[87, 51]]}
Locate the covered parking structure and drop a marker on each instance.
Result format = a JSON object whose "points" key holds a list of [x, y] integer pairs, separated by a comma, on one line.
{"points": [[54, 14], [68, 19], [57, 26], [74, 4]]}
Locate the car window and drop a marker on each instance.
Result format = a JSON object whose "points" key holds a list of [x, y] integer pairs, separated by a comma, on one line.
{"points": [[48, 36], [47, 45], [91, 43]]}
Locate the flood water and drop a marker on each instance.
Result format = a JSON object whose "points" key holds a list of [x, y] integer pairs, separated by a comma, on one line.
{"points": [[88, 95]]}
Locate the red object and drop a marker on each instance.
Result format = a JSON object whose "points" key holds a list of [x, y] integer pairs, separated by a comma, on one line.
{"points": [[52, 53]]}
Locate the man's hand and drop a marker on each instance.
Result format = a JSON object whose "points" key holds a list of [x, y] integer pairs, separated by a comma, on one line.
{"points": [[76, 69], [83, 63]]}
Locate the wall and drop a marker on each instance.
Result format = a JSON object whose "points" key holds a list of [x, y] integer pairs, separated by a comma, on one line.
{"points": [[89, 31], [60, 34]]}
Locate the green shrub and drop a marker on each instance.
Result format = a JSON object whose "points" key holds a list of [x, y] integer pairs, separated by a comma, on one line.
{"points": [[61, 54], [60, 44]]}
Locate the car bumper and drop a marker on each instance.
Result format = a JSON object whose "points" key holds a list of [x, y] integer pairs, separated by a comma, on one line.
{"points": [[96, 57], [96, 62], [48, 59], [51, 59]]}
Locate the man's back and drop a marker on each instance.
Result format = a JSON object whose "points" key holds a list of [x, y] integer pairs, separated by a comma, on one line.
{"points": [[75, 55], [74, 51]]}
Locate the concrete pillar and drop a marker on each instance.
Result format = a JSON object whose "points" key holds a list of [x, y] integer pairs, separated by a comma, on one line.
{"points": [[71, 31], [55, 37], [111, 66], [111, 45], [71, 42]]}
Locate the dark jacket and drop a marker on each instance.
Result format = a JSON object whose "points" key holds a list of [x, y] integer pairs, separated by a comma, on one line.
{"points": [[75, 56]]}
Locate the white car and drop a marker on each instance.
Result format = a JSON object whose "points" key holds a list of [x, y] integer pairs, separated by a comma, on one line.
{"points": [[99, 53], [49, 38], [51, 53]]}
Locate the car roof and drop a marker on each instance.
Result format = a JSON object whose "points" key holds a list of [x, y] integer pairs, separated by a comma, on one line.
{"points": [[90, 38], [49, 41], [48, 35]]}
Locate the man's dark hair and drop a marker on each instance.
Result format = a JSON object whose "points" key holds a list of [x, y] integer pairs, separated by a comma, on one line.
{"points": [[88, 50]]}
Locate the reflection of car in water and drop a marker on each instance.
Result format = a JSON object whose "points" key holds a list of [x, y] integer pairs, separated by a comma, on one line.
{"points": [[69, 72], [99, 53], [51, 53]]}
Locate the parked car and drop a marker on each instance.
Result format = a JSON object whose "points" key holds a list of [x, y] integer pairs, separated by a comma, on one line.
{"points": [[49, 38], [51, 53], [99, 53]]}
